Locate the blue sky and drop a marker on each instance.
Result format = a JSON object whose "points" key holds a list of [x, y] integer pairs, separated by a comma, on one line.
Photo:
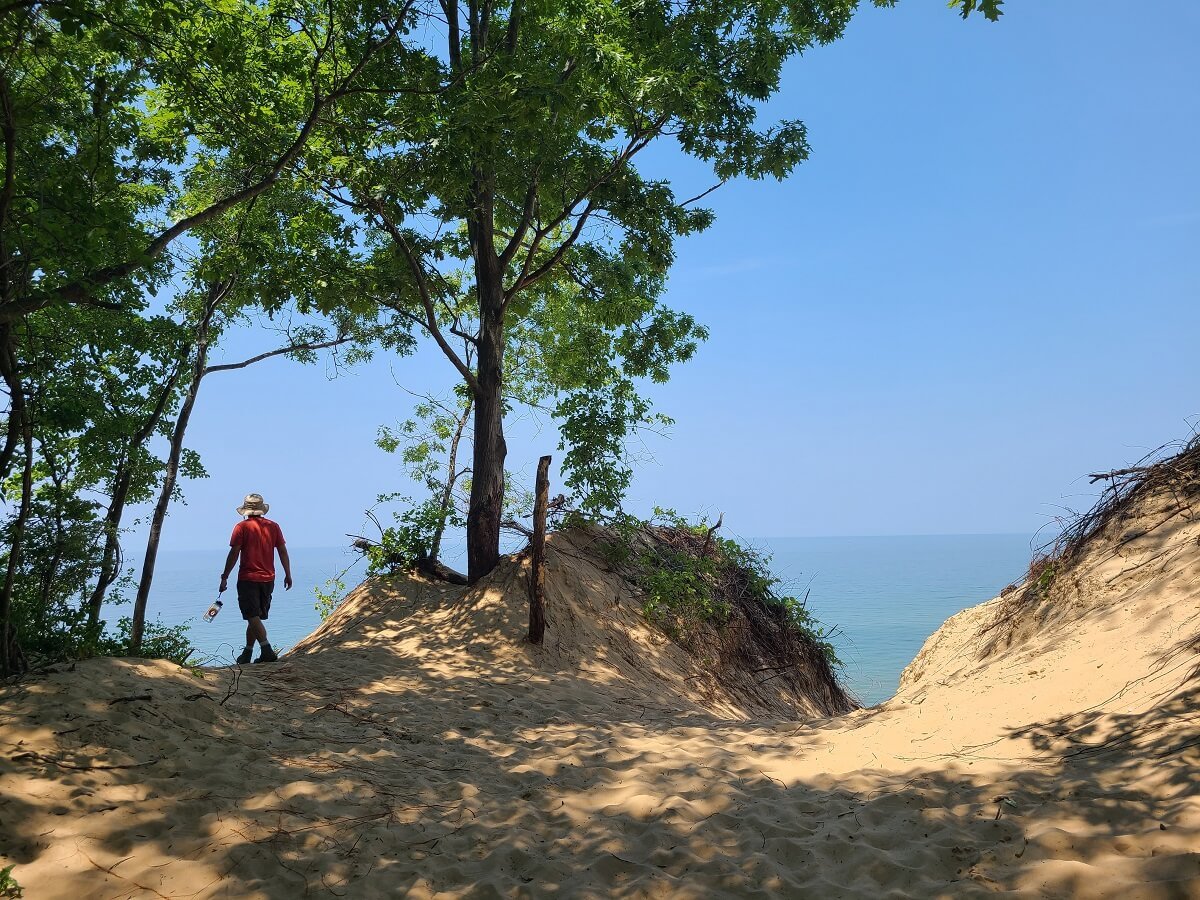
{"points": [[981, 286]]}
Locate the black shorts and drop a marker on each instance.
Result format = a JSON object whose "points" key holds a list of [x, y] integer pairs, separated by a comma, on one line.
{"points": [[254, 598]]}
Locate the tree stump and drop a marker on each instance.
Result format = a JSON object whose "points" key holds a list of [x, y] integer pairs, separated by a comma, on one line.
{"points": [[537, 552]]}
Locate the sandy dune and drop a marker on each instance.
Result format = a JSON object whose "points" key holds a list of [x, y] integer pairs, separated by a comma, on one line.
{"points": [[414, 746]]}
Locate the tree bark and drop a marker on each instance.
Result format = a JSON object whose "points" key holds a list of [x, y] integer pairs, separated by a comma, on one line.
{"points": [[537, 552], [11, 373], [110, 563], [12, 661], [435, 545], [487, 469]]}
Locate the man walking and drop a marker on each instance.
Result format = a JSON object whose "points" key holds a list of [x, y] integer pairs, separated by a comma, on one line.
{"points": [[255, 539]]}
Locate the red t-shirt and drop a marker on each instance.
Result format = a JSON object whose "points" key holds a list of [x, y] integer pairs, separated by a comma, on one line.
{"points": [[257, 537]]}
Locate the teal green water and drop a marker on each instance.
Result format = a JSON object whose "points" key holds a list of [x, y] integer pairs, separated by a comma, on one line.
{"points": [[885, 595]]}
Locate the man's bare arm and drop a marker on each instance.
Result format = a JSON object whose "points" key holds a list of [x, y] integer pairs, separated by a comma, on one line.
{"points": [[230, 562], [287, 568]]}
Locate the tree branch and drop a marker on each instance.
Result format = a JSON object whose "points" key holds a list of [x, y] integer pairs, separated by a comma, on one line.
{"points": [[430, 324], [453, 38], [525, 280], [636, 143], [527, 211], [80, 290], [279, 351], [703, 194]]}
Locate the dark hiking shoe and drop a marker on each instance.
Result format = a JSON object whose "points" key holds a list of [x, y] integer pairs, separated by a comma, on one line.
{"points": [[266, 654], [244, 656]]}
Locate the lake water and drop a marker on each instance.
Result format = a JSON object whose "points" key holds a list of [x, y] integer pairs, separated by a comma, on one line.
{"points": [[885, 595]]}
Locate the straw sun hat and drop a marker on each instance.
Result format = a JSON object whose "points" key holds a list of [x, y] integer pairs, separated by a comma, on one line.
{"points": [[253, 505]]}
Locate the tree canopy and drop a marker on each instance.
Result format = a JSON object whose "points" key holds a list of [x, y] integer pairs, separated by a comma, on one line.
{"points": [[464, 171]]}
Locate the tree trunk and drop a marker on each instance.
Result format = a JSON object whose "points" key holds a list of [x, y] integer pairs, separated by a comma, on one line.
{"points": [[122, 481], [537, 552], [435, 545], [487, 468], [10, 371], [170, 478], [11, 659], [110, 564], [50, 574]]}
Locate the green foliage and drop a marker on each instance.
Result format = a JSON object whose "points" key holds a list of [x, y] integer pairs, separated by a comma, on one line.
{"points": [[60, 556], [51, 616], [1043, 570], [159, 641], [329, 595], [429, 448], [9, 888], [989, 8], [691, 577], [596, 373], [678, 594], [398, 548], [401, 545]]}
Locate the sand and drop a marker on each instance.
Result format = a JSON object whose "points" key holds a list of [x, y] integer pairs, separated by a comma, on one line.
{"points": [[414, 746]]}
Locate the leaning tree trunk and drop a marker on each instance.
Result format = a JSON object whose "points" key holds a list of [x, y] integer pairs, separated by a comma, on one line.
{"points": [[110, 564], [20, 429], [171, 476], [452, 473], [487, 468], [160, 513], [11, 659], [122, 481]]}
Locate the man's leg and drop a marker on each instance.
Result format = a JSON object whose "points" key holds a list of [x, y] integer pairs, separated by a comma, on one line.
{"points": [[250, 599], [251, 633], [265, 652]]}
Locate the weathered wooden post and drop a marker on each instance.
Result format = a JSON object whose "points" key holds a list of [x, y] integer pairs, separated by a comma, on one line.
{"points": [[537, 551]]}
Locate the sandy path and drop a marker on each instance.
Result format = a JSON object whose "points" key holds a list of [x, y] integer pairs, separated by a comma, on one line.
{"points": [[414, 748]]}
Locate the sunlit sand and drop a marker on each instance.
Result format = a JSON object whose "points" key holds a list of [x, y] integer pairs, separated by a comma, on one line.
{"points": [[414, 745]]}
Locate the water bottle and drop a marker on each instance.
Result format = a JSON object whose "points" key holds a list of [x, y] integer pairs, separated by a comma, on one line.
{"points": [[213, 610]]}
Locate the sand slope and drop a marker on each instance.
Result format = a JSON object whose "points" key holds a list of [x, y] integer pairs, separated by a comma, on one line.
{"points": [[414, 746]]}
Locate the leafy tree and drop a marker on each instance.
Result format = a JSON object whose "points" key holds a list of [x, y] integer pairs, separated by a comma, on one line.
{"points": [[110, 110], [110, 106], [429, 446], [90, 418], [519, 165], [282, 254]]}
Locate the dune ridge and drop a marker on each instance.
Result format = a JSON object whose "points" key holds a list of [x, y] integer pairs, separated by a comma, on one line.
{"points": [[415, 746]]}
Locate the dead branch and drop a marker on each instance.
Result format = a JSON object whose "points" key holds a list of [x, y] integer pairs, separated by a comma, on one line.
{"points": [[1178, 473], [708, 535], [1117, 473], [132, 699], [30, 755], [233, 686], [514, 525]]}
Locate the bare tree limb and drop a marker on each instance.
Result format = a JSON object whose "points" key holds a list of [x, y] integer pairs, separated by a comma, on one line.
{"points": [[279, 351], [703, 194]]}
